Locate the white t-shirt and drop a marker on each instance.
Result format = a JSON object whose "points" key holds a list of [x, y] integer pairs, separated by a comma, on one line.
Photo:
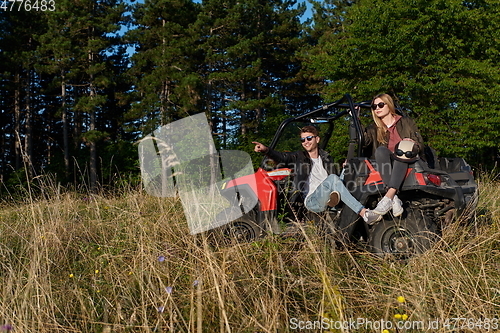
{"points": [[317, 176]]}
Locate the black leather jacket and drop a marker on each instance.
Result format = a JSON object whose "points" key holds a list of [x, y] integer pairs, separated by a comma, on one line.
{"points": [[406, 128], [301, 164]]}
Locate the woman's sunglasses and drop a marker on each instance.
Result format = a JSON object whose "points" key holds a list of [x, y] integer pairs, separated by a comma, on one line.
{"points": [[309, 138], [379, 105]]}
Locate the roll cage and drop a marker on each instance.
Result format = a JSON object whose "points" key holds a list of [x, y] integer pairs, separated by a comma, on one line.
{"points": [[329, 114]]}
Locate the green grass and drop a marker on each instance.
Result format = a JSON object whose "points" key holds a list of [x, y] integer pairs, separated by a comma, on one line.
{"points": [[126, 263]]}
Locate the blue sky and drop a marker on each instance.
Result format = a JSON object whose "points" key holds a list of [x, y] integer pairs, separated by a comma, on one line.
{"points": [[308, 13]]}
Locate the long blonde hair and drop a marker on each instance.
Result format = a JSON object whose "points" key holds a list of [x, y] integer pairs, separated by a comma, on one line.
{"points": [[381, 127]]}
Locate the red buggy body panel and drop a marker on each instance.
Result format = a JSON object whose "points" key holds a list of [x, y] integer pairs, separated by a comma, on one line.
{"points": [[262, 184]]}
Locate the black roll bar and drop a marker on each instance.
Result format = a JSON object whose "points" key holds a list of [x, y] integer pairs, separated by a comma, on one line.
{"points": [[346, 102]]}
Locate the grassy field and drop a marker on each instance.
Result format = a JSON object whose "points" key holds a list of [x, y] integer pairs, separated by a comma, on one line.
{"points": [[126, 263]]}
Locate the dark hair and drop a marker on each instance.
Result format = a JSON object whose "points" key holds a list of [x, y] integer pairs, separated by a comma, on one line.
{"points": [[309, 129]]}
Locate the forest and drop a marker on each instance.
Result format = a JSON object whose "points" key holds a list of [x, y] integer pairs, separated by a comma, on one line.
{"points": [[81, 81]]}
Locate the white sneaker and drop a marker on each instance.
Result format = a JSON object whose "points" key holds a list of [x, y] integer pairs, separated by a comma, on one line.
{"points": [[371, 217], [397, 206], [383, 206]]}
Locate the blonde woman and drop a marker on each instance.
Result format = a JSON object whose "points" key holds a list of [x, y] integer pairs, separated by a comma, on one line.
{"points": [[395, 142]]}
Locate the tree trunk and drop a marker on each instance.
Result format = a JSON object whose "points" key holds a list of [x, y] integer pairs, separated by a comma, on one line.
{"points": [[243, 115], [92, 143], [93, 156], [17, 122], [28, 140], [65, 125]]}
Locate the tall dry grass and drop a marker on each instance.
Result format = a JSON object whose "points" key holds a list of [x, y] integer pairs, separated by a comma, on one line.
{"points": [[126, 263]]}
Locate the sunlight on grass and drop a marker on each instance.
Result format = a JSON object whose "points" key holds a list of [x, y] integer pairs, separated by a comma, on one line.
{"points": [[126, 263]]}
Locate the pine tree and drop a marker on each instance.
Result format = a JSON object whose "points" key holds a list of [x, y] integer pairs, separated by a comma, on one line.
{"points": [[58, 47], [162, 67], [252, 66], [21, 81], [77, 49]]}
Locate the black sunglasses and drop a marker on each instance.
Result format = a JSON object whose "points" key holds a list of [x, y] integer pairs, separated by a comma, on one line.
{"points": [[380, 105], [309, 138], [408, 154]]}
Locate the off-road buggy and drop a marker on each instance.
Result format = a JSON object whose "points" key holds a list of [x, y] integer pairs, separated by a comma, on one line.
{"points": [[433, 193]]}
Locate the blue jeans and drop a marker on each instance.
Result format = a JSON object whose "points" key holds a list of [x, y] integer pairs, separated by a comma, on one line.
{"points": [[316, 202]]}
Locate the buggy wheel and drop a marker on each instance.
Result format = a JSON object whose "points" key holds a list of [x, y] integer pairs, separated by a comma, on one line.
{"points": [[241, 230], [404, 237]]}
